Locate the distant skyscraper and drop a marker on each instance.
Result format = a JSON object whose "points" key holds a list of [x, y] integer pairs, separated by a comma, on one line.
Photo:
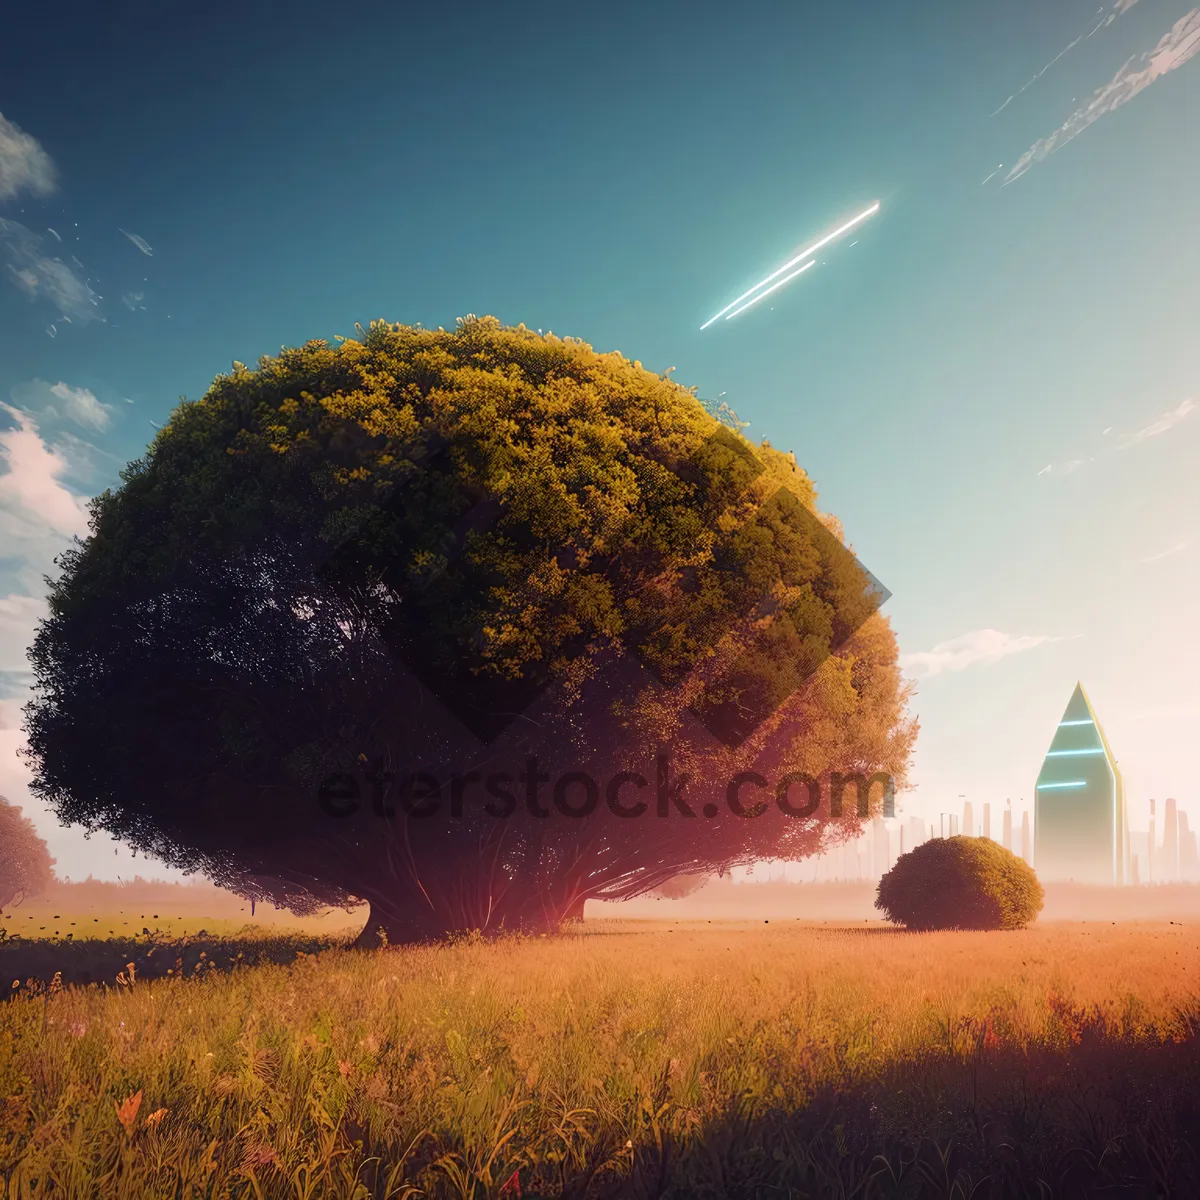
{"points": [[987, 821], [1150, 854], [1139, 848], [1081, 829], [916, 833], [1006, 834], [1170, 854], [1187, 850], [880, 848], [1026, 840], [968, 819]]}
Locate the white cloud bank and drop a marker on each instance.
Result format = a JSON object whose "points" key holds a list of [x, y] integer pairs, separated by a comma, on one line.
{"points": [[35, 504], [39, 516]]}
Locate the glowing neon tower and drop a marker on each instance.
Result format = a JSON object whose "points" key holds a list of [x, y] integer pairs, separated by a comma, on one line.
{"points": [[1080, 826]]}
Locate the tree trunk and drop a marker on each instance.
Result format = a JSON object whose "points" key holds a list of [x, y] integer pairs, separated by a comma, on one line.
{"points": [[385, 928], [400, 922]]}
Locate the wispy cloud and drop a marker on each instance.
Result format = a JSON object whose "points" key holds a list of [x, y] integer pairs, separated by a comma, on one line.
{"points": [[24, 165], [1164, 424], [983, 647], [1178, 548], [81, 406], [139, 242], [1064, 468], [1094, 26], [1156, 428], [1181, 43], [45, 277]]}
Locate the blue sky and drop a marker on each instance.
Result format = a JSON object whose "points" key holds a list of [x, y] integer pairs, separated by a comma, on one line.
{"points": [[620, 174]]}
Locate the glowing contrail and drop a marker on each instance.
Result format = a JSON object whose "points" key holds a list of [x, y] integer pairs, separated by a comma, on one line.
{"points": [[812, 262], [837, 233]]}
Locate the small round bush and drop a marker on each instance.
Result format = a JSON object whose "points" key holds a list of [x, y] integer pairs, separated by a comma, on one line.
{"points": [[960, 883]]}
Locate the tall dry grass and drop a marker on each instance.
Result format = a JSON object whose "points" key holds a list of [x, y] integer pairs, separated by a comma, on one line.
{"points": [[624, 1059]]}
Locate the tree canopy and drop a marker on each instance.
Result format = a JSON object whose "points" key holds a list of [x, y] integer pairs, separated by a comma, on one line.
{"points": [[26, 867], [369, 580], [960, 883]]}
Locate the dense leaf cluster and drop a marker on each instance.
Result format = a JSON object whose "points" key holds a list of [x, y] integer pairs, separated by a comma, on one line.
{"points": [[960, 883], [447, 550]]}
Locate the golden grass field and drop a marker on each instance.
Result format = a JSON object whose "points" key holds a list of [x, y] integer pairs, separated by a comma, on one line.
{"points": [[622, 1058], [122, 910]]}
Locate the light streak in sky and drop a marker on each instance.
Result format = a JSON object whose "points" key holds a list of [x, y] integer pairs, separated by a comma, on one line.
{"points": [[139, 242], [787, 266], [786, 279], [1118, 9]]}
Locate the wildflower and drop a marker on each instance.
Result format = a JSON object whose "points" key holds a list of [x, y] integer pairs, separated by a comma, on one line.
{"points": [[154, 1118], [261, 1155], [127, 1112]]}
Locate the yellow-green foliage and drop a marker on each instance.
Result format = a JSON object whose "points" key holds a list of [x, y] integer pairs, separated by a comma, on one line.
{"points": [[961, 883], [578, 447], [475, 509], [624, 1053]]}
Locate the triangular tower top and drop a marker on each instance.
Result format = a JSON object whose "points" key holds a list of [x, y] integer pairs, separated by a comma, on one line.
{"points": [[1079, 726], [1079, 708]]}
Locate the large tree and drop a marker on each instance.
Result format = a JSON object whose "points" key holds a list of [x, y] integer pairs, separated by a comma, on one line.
{"points": [[26, 867], [389, 619]]}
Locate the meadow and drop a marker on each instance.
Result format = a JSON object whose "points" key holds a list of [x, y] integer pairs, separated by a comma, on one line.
{"points": [[623, 1058]]}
